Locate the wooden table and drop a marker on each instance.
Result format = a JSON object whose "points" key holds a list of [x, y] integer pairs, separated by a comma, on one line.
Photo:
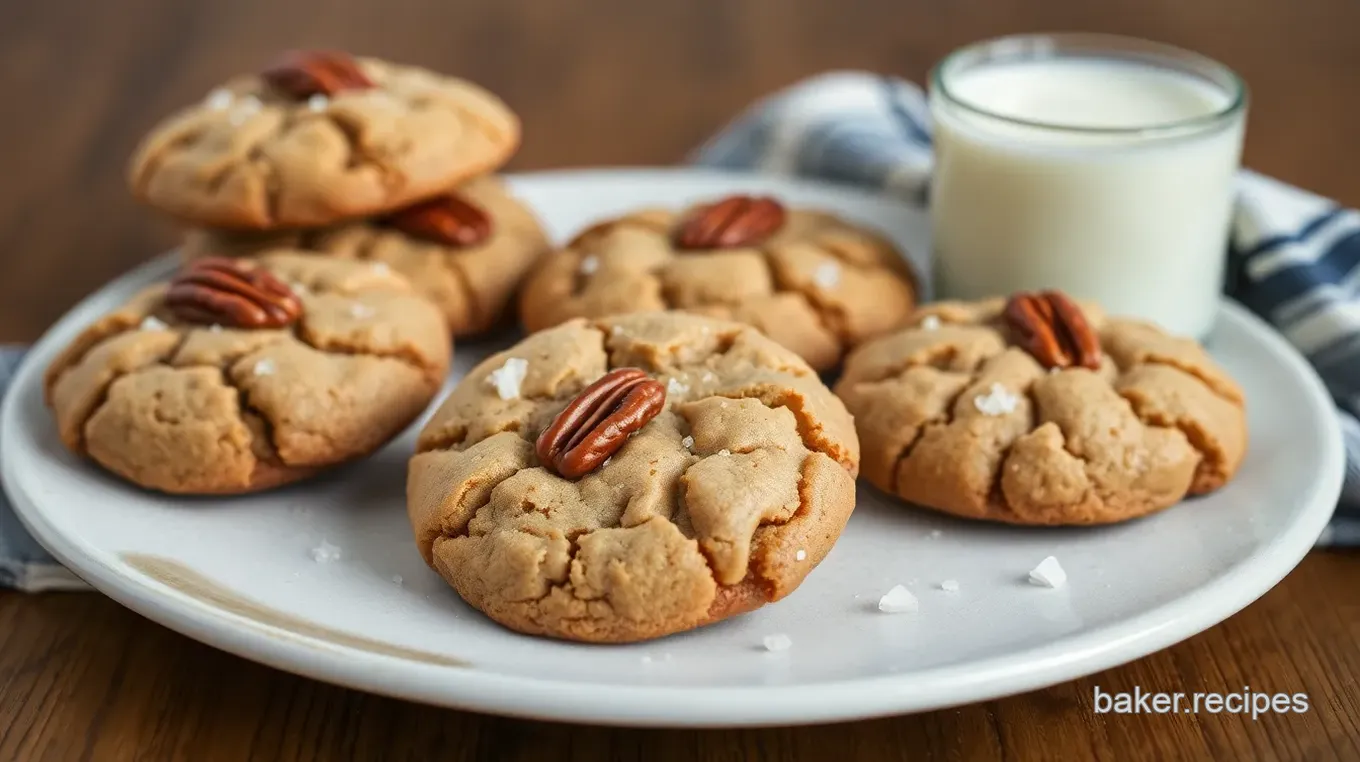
{"points": [[602, 83]]}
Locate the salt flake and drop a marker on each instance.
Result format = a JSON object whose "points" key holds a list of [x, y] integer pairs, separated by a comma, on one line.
{"points": [[361, 311], [950, 586], [153, 323], [381, 268], [219, 99], [898, 600], [777, 642], [935, 534], [800, 555], [675, 388], [688, 442], [214, 328], [1049, 573], [930, 323], [589, 265], [396, 579], [264, 367], [506, 380], [997, 401], [724, 451], [326, 553], [318, 102], [827, 275]]}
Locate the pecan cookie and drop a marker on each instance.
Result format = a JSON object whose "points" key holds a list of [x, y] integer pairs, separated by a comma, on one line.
{"points": [[320, 137], [809, 280], [632, 477], [466, 251], [1040, 411], [239, 376]]}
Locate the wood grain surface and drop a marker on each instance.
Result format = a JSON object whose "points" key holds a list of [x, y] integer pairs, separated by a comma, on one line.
{"points": [[605, 82]]}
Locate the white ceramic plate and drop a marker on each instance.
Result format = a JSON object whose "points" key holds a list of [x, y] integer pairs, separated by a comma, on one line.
{"points": [[239, 573]]}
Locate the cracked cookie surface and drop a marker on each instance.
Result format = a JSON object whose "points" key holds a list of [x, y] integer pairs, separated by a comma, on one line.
{"points": [[721, 503], [250, 157], [954, 416], [472, 285], [818, 285], [201, 409]]}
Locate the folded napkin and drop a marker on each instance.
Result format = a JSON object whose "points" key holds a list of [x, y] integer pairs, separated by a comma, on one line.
{"points": [[1294, 258]]}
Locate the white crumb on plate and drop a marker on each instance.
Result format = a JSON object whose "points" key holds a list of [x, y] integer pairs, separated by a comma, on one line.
{"points": [[930, 322], [396, 578], [219, 99], [506, 380], [360, 311], [688, 442], [827, 275], [800, 555], [777, 642], [997, 401], [326, 553], [898, 600], [675, 388], [1049, 573], [589, 265], [950, 586], [318, 102], [153, 323], [264, 367]]}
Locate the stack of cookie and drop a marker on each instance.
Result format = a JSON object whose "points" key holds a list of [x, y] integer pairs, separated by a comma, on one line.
{"points": [[356, 159]]}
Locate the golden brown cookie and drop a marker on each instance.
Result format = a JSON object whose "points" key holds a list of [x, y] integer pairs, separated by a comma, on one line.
{"points": [[257, 153], [962, 413], [809, 280], [722, 502], [473, 284], [191, 388]]}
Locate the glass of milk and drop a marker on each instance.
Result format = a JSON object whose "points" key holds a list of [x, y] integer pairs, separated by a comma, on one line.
{"points": [[1102, 166]]}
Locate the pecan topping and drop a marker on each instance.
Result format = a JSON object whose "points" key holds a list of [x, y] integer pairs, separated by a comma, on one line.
{"points": [[217, 290], [449, 219], [734, 221], [304, 73], [1053, 329], [595, 425]]}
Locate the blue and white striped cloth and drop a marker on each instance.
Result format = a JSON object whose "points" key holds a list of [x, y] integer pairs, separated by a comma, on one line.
{"points": [[1295, 257]]}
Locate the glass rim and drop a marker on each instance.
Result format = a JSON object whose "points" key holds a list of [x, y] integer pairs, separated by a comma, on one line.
{"points": [[1109, 46]]}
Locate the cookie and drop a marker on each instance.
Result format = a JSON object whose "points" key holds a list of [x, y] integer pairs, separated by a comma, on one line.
{"points": [[809, 280], [227, 380], [1040, 411], [708, 482], [280, 150], [473, 283]]}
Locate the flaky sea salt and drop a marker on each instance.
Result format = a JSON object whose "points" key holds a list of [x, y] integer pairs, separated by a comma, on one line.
{"points": [[930, 323], [898, 600], [264, 367], [724, 451], [950, 586], [688, 442], [244, 109], [219, 99], [506, 379], [361, 311], [381, 268], [153, 323], [827, 275], [616, 331], [589, 265], [318, 102], [396, 579], [326, 553], [777, 642], [997, 401], [675, 388], [214, 328], [800, 555], [935, 534], [1049, 573], [709, 377]]}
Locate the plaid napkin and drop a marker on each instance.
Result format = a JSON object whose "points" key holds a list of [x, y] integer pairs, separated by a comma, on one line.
{"points": [[1295, 257]]}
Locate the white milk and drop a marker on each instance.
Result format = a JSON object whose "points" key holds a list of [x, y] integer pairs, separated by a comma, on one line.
{"points": [[1135, 217]]}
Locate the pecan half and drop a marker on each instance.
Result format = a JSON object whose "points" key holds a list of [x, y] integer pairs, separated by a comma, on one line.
{"points": [[733, 221], [449, 219], [304, 73], [1053, 329], [595, 425], [217, 290]]}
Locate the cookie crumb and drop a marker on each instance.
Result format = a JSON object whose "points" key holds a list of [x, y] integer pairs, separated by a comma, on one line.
{"points": [[1049, 573], [396, 578], [724, 451], [777, 642], [930, 323], [153, 323], [800, 555], [506, 380], [318, 102], [950, 586], [589, 265], [326, 553], [997, 401], [264, 367], [898, 600], [688, 442], [827, 275], [675, 388], [361, 311], [219, 99]]}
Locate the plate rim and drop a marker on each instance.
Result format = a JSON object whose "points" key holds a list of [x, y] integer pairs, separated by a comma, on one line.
{"points": [[469, 688]]}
